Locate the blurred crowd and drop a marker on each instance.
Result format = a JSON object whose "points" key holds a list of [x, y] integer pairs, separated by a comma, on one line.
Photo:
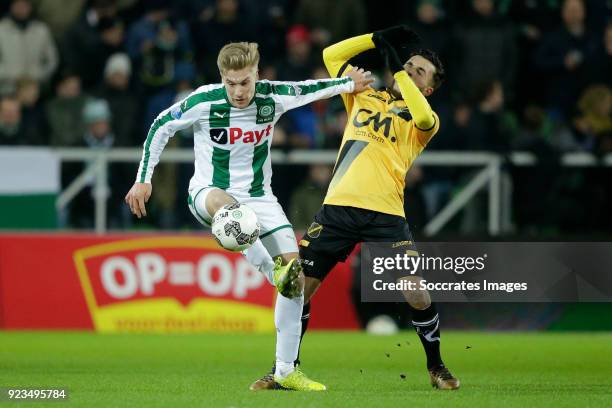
{"points": [[530, 75]]}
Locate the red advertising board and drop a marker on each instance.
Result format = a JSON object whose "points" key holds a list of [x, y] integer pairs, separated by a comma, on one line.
{"points": [[145, 283]]}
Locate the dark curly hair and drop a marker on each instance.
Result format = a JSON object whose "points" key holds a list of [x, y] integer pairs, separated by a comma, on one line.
{"points": [[440, 74]]}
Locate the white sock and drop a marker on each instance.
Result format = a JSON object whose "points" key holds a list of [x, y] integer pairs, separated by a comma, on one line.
{"points": [[283, 369], [288, 321], [258, 256]]}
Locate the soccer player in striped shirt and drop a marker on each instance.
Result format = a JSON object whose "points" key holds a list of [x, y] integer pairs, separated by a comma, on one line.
{"points": [[233, 124]]}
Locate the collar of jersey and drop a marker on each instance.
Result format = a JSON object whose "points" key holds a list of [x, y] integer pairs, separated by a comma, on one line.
{"points": [[230, 104]]}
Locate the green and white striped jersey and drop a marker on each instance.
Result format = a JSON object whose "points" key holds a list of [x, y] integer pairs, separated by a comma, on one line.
{"points": [[232, 146]]}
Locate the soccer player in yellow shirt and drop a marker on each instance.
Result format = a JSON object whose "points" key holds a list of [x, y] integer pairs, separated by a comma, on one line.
{"points": [[385, 133]]}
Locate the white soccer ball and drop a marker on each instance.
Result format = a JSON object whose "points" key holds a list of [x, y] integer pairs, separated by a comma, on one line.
{"points": [[382, 325], [235, 227]]}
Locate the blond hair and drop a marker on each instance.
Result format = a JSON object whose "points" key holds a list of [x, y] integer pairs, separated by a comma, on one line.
{"points": [[236, 56]]}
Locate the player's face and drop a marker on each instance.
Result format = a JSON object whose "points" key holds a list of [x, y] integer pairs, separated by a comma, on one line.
{"points": [[240, 86], [421, 70]]}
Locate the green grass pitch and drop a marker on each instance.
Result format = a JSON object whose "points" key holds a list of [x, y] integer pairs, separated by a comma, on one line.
{"points": [[215, 370]]}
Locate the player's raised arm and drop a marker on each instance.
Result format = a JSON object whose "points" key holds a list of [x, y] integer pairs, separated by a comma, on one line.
{"points": [[336, 57], [179, 116], [417, 104], [414, 81]]}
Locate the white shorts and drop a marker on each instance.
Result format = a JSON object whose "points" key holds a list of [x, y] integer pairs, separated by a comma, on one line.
{"points": [[276, 231]]}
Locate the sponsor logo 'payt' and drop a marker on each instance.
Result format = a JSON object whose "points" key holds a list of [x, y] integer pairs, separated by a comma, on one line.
{"points": [[235, 135]]}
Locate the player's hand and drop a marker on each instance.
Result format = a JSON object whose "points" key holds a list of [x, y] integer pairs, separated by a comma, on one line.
{"points": [[390, 56], [362, 79], [398, 36], [136, 198]]}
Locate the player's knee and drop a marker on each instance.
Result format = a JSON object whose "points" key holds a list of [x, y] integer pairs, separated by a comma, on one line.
{"points": [[417, 298], [421, 302], [216, 199]]}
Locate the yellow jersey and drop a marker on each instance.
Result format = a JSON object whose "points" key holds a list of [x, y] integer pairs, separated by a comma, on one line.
{"points": [[379, 145]]}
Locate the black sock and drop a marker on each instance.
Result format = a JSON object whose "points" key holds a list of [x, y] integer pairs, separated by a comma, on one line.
{"points": [[427, 326], [305, 320]]}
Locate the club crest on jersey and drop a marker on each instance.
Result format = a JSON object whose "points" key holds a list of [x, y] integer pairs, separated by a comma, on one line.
{"points": [[266, 110], [314, 230], [265, 113]]}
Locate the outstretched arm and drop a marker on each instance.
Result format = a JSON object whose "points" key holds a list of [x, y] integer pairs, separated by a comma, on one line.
{"points": [[295, 94]]}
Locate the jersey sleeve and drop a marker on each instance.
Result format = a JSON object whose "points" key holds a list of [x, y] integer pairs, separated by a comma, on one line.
{"points": [[177, 117], [425, 135], [295, 94], [336, 58], [420, 110]]}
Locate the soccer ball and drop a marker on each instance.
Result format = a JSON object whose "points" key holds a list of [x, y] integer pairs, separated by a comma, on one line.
{"points": [[235, 227]]}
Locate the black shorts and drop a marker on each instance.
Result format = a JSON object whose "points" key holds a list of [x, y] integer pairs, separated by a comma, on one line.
{"points": [[337, 229]]}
